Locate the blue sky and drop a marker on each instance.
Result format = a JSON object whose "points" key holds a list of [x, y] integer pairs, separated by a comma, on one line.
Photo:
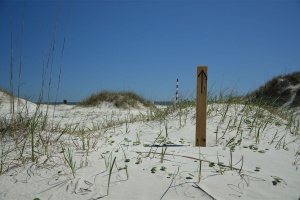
{"points": [[144, 46]]}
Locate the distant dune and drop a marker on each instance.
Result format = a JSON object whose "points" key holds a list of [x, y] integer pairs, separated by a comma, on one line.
{"points": [[282, 91]]}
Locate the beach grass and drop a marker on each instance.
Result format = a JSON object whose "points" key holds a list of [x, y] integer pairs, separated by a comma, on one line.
{"points": [[123, 99]]}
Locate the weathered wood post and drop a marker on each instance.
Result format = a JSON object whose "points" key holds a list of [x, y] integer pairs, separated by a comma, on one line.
{"points": [[201, 104]]}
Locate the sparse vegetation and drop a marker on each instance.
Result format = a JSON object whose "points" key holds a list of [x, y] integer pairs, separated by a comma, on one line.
{"points": [[278, 91], [127, 99]]}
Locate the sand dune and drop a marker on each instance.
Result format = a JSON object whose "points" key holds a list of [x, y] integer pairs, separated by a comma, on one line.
{"points": [[251, 154]]}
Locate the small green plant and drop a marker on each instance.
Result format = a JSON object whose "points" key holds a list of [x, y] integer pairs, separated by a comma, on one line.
{"points": [[125, 157], [257, 169], [230, 162], [127, 140], [262, 151], [231, 143], [293, 125], [163, 168], [277, 123], [224, 132], [191, 176], [157, 138], [139, 160], [69, 159], [240, 126], [253, 147], [280, 142], [136, 143], [221, 165], [138, 140], [31, 130], [162, 155], [297, 158], [126, 169], [106, 163], [277, 180], [181, 141], [153, 170], [225, 113], [274, 137]]}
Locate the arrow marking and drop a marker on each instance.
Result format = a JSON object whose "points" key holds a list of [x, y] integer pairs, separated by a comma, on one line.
{"points": [[201, 74]]}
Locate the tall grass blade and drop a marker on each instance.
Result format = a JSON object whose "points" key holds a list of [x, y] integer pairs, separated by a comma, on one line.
{"points": [[21, 53], [109, 176]]}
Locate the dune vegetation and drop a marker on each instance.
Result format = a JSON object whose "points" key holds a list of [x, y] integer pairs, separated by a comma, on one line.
{"points": [[121, 99], [282, 90]]}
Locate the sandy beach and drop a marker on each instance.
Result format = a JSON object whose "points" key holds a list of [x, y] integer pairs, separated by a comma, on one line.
{"points": [[118, 153]]}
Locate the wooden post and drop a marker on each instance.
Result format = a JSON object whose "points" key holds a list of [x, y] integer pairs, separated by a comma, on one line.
{"points": [[201, 106]]}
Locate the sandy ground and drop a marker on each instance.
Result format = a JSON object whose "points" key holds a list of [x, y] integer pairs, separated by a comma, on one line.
{"points": [[154, 159]]}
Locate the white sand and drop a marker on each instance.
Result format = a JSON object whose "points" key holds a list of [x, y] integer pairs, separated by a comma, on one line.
{"points": [[51, 178]]}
